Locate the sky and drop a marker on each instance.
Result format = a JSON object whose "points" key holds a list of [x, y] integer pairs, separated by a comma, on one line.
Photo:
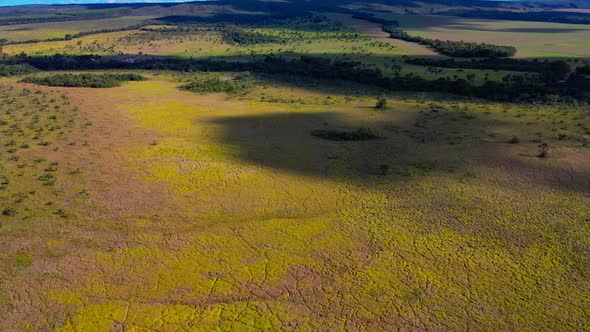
{"points": [[63, 2]]}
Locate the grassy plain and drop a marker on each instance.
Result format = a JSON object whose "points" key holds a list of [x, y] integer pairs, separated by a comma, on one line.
{"points": [[344, 38], [222, 212], [206, 43], [532, 39], [149, 207], [41, 31]]}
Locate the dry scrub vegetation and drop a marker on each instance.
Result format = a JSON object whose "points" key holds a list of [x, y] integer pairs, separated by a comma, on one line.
{"points": [[185, 211], [144, 199]]}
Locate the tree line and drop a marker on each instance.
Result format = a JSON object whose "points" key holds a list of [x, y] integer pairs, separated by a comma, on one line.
{"points": [[459, 49], [16, 70], [83, 80], [576, 88], [237, 84], [548, 70], [235, 35]]}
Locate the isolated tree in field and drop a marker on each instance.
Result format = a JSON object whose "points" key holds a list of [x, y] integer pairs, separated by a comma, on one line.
{"points": [[2, 42], [514, 140], [381, 104], [543, 150]]}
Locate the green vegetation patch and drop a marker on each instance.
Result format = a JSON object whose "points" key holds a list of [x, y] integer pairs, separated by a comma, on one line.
{"points": [[237, 84], [361, 134], [23, 260], [84, 80], [15, 70], [236, 35]]}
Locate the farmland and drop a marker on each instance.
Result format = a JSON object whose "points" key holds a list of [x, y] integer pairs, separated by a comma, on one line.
{"points": [[291, 173], [533, 39], [43, 31]]}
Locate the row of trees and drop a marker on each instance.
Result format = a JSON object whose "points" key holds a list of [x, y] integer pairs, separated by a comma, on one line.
{"points": [[306, 66], [16, 70], [83, 80], [548, 70], [458, 49], [219, 84], [235, 35]]}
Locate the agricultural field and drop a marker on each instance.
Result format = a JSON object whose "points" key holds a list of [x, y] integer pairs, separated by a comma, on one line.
{"points": [[298, 173], [532, 39], [50, 30]]}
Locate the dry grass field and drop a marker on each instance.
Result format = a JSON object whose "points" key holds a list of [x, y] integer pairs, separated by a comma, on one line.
{"points": [[289, 202], [174, 210]]}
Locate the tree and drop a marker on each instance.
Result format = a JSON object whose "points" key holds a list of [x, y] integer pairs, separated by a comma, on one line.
{"points": [[543, 150], [381, 104], [2, 42]]}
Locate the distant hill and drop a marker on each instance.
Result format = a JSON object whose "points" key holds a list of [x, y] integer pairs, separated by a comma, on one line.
{"points": [[69, 2]]}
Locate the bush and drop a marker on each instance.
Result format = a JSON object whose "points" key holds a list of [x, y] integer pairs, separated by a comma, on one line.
{"points": [[15, 70], [217, 84], [48, 179], [543, 150], [84, 80], [381, 104], [236, 35], [548, 70], [9, 212], [458, 49], [361, 134], [514, 140]]}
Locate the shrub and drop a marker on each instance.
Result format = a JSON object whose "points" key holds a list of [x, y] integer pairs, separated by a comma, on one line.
{"points": [[15, 70], [217, 84], [361, 134], [84, 80], [9, 212], [381, 104], [23, 260], [459, 49], [234, 35], [48, 179], [543, 150], [514, 140]]}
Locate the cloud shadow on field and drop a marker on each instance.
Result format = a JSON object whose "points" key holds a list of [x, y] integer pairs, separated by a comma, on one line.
{"points": [[409, 147]]}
